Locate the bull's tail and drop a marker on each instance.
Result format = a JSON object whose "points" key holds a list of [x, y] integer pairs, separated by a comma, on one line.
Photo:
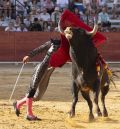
{"points": [[114, 75]]}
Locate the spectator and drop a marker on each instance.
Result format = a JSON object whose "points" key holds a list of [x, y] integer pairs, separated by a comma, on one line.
{"points": [[92, 18], [46, 26], [34, 14], [22, 28], [27, 7], [34, 4], [55, 16], [3, 22], [41, 22], [20, 7], [103, 19], [79, 4], [86, 2], [86, 17], [37, 9], [62, 3], [44, 15], [39, 3], [27, 21], [49, 5], [1, 2], [10, 26], [94, 4], [102, 3], [13, 11], [7, 8], [71, 4], [77, 12], [17, 21], [35, 26], [28, 4], [116, 9], [1, 10], [88, 8]]}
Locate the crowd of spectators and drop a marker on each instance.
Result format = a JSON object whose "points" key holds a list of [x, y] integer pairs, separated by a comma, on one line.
{"points": [[43, 15]]}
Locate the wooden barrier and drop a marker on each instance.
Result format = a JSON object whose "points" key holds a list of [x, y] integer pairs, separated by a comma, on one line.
{"points": [[111, 49], [15, 45]]}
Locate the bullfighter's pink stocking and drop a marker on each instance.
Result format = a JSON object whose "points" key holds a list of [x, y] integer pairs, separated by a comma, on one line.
{"points": [[29, 106], [21, 102]]}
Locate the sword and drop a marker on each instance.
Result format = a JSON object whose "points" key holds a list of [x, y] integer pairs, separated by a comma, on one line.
{"points": [[16, 82]]}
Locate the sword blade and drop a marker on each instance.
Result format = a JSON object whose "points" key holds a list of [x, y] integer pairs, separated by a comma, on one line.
{"points": [[16, 82]]}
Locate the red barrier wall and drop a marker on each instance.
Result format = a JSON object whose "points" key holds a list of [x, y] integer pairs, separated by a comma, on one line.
{"points": [[111, 49], [15, 45]]}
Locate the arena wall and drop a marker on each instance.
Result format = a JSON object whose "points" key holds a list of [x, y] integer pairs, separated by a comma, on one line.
{"points": [[15, 45]]}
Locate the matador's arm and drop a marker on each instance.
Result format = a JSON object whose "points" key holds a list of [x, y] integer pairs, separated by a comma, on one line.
{"points": [[40, 49]]}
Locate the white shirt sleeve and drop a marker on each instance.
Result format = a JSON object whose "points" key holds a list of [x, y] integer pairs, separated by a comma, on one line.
{"points": [[7, 28], [115, 2]]}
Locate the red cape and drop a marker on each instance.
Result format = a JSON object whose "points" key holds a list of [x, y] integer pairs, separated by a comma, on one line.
{"points": [[60, 57]]}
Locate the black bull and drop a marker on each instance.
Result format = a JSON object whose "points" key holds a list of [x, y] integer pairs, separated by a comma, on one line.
{"points": [[85, 78]]}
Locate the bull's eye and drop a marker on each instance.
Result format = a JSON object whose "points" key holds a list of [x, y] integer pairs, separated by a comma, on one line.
{"points": [[70, 28]]}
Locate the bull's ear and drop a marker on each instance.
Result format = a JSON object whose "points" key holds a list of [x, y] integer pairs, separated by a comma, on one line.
{"points": [[94, 31]]}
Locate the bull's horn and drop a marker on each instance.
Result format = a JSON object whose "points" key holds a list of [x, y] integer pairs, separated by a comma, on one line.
{"points": [[93, 32], [59, 28]]}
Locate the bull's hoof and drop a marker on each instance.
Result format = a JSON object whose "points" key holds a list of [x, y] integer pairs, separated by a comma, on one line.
{"points": [[71, 114], [105, 113], [91, 118], [99, 114]]}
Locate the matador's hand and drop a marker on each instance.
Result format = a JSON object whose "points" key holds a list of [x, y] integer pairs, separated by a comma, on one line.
{"points": [[26, 59]]}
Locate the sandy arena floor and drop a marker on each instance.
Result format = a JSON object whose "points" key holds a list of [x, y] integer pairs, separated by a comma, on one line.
{"points": [[53, 108]]}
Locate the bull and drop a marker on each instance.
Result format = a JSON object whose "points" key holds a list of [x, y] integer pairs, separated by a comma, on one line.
{"points": [[84, 55]]}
